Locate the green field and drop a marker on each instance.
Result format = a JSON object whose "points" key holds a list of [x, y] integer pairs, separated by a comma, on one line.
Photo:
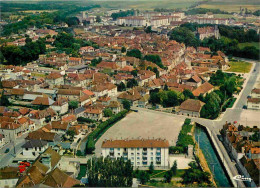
{"points": [[232, 5], [255, 44], [239, 66], [148, 5]]}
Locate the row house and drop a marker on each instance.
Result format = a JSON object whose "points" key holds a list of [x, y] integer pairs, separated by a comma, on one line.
{"points": [[93, 113]]}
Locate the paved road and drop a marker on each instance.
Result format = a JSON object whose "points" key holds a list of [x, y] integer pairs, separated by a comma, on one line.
{"points": [[7, 158]]}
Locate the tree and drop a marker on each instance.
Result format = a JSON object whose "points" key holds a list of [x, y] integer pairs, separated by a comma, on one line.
{"points": [[108, 112], [73, 104], [90, 145], [168, 176], [188, 94], [151, 168], [144, 177], [123, 49], [71, 21], [174, 168], [148, 29], [107, 172], [184, 35], [4, 100], [126, 104], [155, 59], [98, 19], [134, 72], [12, 54], [134, 53], [71, 133], [121, 87], [131, 83]]}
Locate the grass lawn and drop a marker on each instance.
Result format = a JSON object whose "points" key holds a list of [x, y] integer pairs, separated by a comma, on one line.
{"points": [[161, 173], [82, 171], [255, 44], [239, 66]]}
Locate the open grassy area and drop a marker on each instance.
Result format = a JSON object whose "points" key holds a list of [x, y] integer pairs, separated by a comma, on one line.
{"points": [[239, 66], [148, 5], [255, 44], [231, 5]]}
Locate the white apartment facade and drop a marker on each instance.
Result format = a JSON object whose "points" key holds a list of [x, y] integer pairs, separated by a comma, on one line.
{"points": [[141, 153], [132, 21]]}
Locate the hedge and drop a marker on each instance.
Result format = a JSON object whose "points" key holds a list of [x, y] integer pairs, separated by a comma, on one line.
{"points": [[183, 139], [101, 129]]}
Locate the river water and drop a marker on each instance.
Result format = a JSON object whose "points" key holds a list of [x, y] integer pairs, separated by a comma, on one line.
{"points": [[211, 157]]}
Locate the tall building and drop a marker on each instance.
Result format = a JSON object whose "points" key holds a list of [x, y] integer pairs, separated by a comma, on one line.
{"points": [[141, 152]]}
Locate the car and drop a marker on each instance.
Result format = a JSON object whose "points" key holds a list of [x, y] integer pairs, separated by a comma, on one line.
{"points": [[7, 150], [244, 107], [135, 110]]}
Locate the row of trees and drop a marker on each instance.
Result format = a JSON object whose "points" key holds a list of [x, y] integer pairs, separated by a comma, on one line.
{"points": [[184, 139], [20, 55], [214, 102], [126, 13], [101, 128], [105, 172]]}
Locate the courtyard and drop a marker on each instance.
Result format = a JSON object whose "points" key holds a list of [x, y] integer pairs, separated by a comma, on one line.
{"points": [[144, 124]]}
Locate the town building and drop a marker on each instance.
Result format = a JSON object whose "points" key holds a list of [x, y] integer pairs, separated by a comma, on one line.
{"points": [[142, 153]]}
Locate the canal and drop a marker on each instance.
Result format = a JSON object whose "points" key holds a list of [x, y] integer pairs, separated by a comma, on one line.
{"points": [[210, 154]]}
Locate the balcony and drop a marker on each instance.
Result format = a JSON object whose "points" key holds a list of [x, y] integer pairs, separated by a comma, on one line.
{"points": [[144, 152], [125, 153]]}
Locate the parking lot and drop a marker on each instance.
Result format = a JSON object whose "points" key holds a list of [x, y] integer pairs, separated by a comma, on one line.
{"points": [[144, 124]]}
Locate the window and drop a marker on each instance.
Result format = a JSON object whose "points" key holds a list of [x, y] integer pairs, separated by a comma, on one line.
{"points": [[118, 149], [132, 149], [118, 153], [132, 153], [138, 153], [137, 149], [152, 158], [138, 158], [132, 158], [138, 163]]}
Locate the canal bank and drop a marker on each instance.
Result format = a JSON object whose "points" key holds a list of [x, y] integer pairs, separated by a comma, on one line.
{"points": [[215, 163]]}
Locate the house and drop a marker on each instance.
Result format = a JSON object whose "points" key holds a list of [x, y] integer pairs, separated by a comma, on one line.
{"points": [[33, 148], [61, 106], [9, 176], [86, 49], [94, 113], [46, 172], [115, 106], [131, 95], [75, 61], [206, 32], [59, 127], [45, 101], [255, 93], [203, 89], [253, 103], [143, 102], [54, 79], [141, 153], [40, 116], [194, 81], [191, 107], [10, 128]]}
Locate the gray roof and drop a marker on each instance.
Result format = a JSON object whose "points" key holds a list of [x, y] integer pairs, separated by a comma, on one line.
{"points": [[79, 110], [35, 143]]}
